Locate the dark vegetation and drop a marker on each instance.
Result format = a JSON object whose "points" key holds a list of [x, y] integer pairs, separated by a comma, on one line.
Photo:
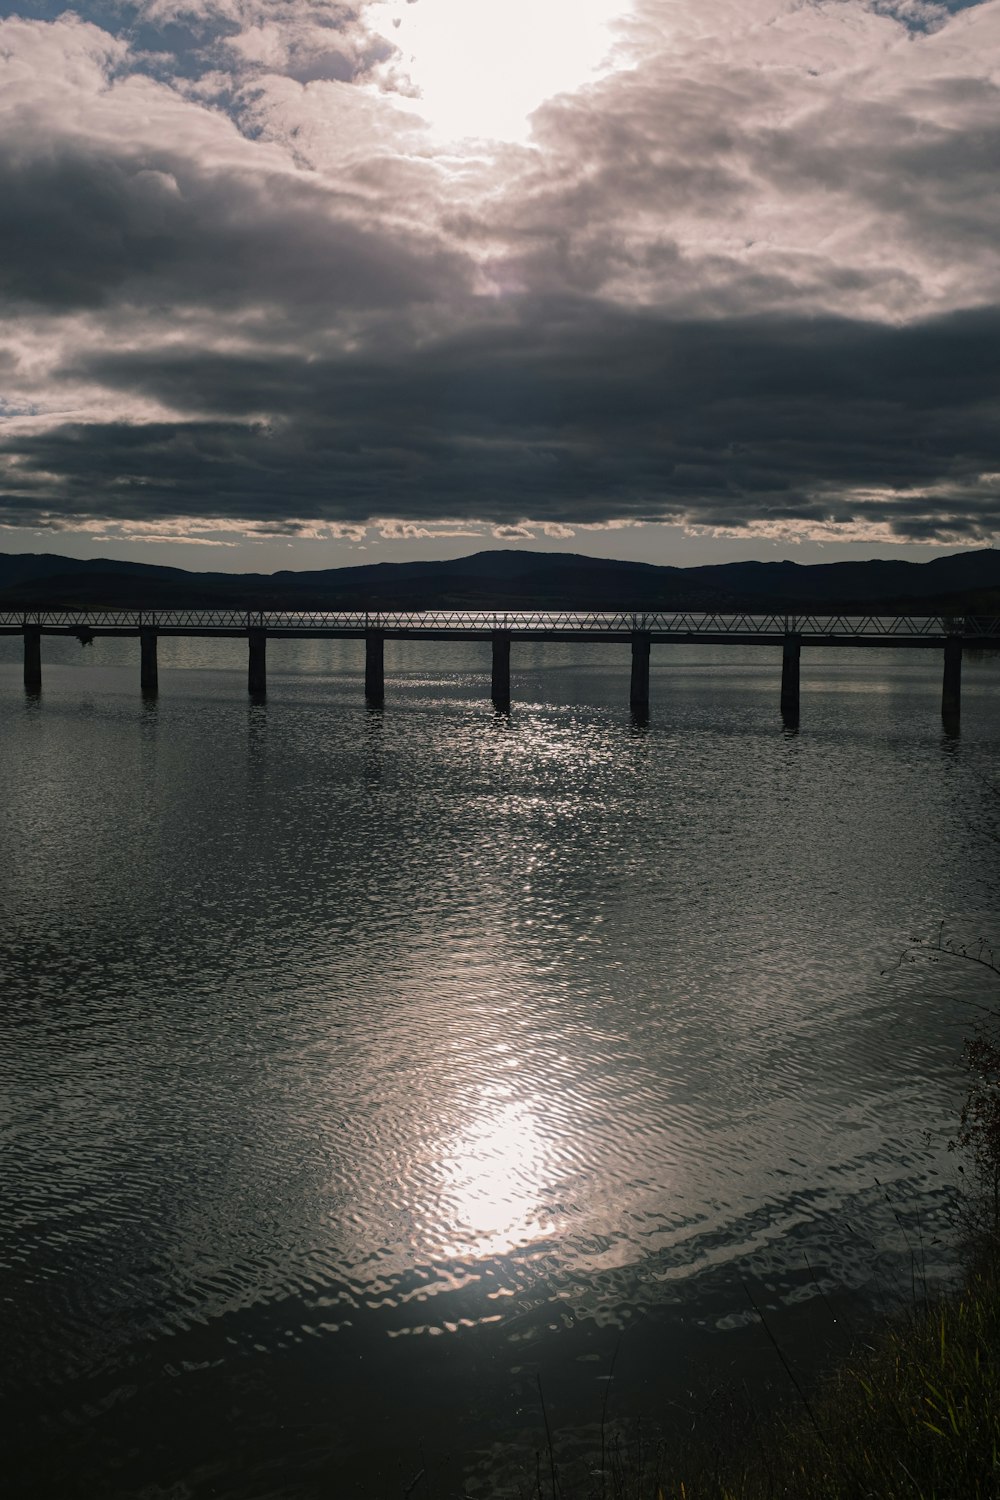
{"points": [[965, 583]]}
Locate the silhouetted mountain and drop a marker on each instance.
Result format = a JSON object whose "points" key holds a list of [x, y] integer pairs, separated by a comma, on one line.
{"points": [[964, 582]]}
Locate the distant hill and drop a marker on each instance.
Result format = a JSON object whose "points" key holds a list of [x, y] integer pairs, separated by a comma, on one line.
{"points": [[965, 582]]}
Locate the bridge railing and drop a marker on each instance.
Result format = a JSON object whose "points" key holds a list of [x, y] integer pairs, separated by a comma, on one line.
{"points": [[600, 622]]}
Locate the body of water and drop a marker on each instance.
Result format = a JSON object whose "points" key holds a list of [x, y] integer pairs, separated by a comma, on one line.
{"points": [[361, 1069]]}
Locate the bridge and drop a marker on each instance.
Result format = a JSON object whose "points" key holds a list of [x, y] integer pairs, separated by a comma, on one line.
{"points": [[950, 635]]}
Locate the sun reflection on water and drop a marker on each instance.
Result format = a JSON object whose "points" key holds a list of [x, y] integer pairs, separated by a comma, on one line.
{"points": [[494, 1182]]}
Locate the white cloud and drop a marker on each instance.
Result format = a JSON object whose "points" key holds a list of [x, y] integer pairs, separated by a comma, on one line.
{"points": [[511, 532], [390, 528]]}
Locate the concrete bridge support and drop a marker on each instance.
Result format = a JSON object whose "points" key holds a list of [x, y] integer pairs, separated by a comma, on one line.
{"points": [[33, 658], [375, 666], [500, 687], [639, 691], [148, 675], [257, 665], [951, 689], [790, 656]]}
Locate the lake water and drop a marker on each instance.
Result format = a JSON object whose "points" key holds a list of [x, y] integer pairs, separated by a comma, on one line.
{"points": [[362, 1068]]}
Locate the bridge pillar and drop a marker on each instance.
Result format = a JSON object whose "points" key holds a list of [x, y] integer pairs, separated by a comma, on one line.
{"points": [[257, 673], [375, 666], [33, 658], [639, 692], [790, 653], [951, 690], [500, 687], [148, 675]]}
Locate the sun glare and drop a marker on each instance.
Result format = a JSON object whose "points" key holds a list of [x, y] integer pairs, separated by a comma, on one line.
{"points": [[494, 1181], [482, 66]]}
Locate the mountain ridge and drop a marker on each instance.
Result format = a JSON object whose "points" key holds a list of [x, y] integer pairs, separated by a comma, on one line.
{"points": [[507, 578]]}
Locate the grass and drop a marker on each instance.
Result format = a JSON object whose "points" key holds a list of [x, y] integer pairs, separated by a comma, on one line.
{"points": [[917, 1416]]}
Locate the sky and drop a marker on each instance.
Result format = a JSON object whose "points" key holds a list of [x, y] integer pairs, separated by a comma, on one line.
{"points": [[306, 283]]}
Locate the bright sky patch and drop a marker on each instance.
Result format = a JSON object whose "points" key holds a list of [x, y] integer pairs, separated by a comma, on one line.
{"points": [[481, 66]]}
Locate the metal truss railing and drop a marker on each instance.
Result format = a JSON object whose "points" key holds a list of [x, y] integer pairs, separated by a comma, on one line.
{"points": [[552, 622]]}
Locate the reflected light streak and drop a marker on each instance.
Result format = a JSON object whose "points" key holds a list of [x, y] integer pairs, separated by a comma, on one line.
{"points": [[494, 1182]]}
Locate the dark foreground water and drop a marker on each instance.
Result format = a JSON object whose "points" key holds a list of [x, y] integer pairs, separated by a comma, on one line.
{"points": [[358, 1068]]}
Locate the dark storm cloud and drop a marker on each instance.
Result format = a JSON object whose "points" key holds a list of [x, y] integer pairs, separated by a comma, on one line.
{"points": [[84, 230], [580, 418]]}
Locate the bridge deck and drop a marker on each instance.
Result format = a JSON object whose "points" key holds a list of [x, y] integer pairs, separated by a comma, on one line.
{"points": [[540, 625]]}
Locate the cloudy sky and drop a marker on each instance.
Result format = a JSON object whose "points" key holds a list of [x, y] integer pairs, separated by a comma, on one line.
{"points": [[308, 282]]}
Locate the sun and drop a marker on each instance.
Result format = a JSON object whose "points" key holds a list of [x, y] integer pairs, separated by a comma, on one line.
{"points": [[482, 66]]}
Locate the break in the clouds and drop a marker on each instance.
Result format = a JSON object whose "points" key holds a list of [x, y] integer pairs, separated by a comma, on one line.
{"points": [[299, 267]]}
